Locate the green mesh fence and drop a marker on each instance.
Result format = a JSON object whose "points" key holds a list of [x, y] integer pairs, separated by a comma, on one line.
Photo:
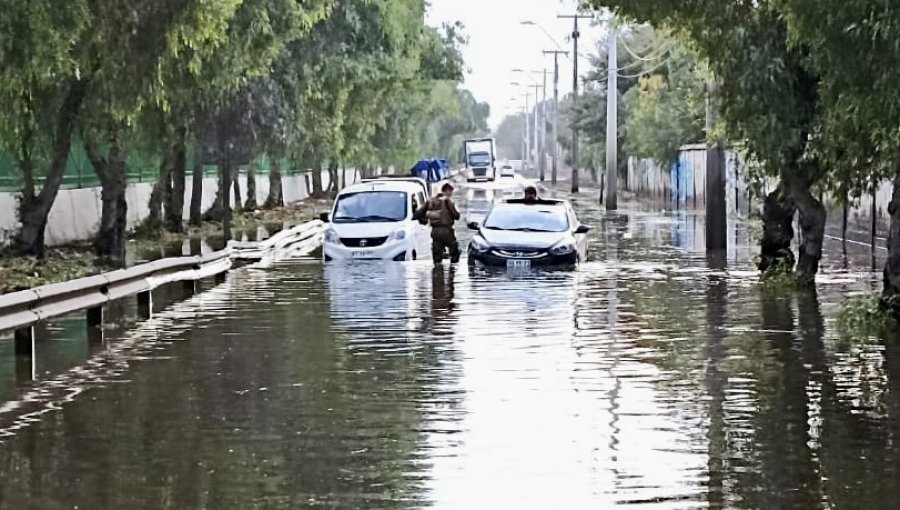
{"points": [[80, 172]]}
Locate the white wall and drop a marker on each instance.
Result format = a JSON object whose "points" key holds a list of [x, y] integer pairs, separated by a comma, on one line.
{"points": [[75, 215]]}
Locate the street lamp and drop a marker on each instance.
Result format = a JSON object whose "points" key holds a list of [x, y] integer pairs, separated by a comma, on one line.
{"points": [[529, 23]]}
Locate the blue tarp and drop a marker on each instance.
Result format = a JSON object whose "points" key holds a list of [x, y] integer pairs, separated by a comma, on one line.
{"points": [[432, 170]]}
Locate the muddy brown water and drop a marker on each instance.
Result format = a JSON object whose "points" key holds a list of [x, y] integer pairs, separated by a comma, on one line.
{"points": [[650, 377]]}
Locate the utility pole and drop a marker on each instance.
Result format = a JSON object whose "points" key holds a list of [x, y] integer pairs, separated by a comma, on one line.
{"points": [[612, 121], [575, 35], [535, 136], [716, 213], [524, 136], [543, 149], [555, 141], [527, 133]]}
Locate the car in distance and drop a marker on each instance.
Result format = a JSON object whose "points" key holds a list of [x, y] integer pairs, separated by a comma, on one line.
{"points": [[520, 234], [507, 172], [373, 220]]}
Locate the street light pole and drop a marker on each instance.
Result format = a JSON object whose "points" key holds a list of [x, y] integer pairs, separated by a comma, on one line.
{"points": [[524, 131], [527, 133], [555, 141], [612, 121], [543, 150], [575, 35], [534, 135]]}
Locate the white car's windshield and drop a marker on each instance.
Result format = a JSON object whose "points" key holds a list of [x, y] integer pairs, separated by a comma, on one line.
{"points": [[371, 206], [528, 219]]}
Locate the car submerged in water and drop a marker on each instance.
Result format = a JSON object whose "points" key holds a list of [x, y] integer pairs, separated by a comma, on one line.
{"points": [[373, 220], [521, 234]]}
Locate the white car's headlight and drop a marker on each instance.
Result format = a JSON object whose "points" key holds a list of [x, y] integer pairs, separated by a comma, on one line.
{"points": [[397, 235], [332, 237], [564, 247], [479, 244]]}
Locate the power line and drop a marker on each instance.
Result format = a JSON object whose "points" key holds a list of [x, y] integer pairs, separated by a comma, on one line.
{"points": [[644, 59]]}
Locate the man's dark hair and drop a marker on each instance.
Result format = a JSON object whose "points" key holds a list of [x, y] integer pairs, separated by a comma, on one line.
{"points": [[446, 187], [531, 189]]}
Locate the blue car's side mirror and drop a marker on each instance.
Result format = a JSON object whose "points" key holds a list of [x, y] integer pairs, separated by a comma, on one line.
{"points": [[325, 217], [582, 229], [473, 225]]}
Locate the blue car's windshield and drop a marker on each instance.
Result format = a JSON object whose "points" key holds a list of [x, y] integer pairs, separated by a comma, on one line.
{"points": [[528, 219], [371, 206]]}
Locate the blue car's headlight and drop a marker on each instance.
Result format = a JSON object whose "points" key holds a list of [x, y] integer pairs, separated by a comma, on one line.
{"points": [[331, 237], [398, 235], [479, 244], [564, 247]]}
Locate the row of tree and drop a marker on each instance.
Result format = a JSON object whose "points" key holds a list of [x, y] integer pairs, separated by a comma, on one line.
{"points": [[316, 83], [805, 89]]}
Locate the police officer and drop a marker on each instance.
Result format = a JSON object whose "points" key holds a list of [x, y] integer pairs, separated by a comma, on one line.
{"points": [[440, 212]]}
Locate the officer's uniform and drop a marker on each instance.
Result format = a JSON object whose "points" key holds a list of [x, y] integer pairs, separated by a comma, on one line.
{"points": [[441, 213]]}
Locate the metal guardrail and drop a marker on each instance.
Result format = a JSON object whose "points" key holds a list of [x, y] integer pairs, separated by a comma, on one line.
{"points": [[293, 242], [22, 309], [27, 307]]}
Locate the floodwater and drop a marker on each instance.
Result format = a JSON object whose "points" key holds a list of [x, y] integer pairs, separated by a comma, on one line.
{"points": [[648, 378]]}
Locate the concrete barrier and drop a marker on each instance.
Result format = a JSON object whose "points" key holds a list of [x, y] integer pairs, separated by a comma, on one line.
{"points": [[75, 215]]}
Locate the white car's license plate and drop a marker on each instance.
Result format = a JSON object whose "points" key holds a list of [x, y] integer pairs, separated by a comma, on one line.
{"points": [[518, 263], [359, 254]]}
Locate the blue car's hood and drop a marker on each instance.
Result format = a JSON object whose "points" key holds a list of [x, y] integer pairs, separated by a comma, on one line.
{"points": [[515, 239]]}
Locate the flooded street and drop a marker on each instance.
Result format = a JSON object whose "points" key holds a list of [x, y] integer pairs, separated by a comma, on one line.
{"points": [[648, 378]]}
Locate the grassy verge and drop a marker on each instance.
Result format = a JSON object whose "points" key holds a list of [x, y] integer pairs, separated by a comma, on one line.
{"points": [[60, 264], [77, 260]]}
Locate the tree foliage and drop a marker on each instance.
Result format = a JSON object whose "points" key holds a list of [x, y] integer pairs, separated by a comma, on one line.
{"points": [[660, 103], [359, 82], [666, 110]]}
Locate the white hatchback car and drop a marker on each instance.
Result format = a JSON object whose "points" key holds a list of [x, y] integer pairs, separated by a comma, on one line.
{"points": [[373, 220], [508, 172]]}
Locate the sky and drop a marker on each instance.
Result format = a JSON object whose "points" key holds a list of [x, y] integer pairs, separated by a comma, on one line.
{"points": [[499, 43]]}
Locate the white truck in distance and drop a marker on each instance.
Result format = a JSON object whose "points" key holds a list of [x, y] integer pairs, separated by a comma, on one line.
{"points": [[480, 159]]}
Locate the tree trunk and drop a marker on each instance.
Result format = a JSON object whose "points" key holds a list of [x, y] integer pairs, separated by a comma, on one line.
{"points": [[333, 183], [778, 232], [812, 234], [34, 211], [197, 192], [891, 291], [154, 218], [175, 202], [317, 192], [250, 204], [276, 191], [236, 183], [798, 181], [225, 205], [215, 212], [111, 239]]}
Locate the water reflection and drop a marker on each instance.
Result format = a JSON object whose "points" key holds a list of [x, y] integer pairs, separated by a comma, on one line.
{"points": [[651, 377]]}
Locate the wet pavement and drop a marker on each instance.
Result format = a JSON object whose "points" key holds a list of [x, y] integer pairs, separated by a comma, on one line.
{"points": [[650, 377]]}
